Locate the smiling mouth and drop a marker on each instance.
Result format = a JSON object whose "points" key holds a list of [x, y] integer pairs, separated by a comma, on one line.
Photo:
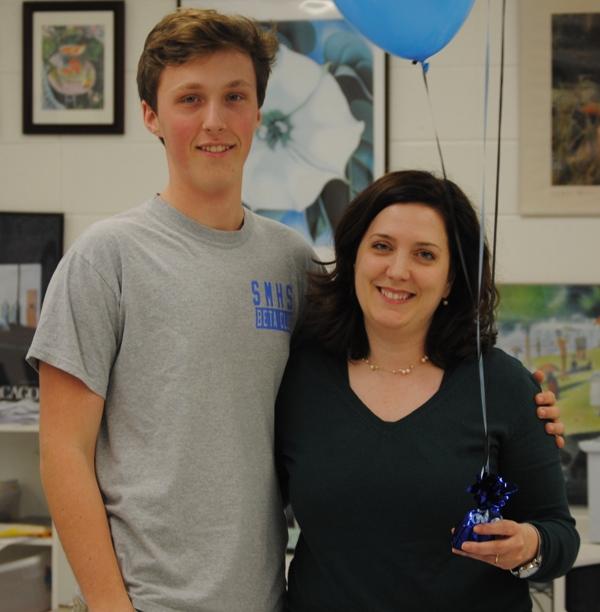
{"points": [[396, 296], [215, 148]]}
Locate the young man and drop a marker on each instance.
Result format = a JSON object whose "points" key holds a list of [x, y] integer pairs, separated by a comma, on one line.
{"points": [[162, 343]]}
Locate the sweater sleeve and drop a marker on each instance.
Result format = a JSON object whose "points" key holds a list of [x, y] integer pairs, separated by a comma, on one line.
{"points": [[529, 458]]}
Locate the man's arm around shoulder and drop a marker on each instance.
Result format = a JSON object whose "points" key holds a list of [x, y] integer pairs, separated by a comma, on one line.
{"points": [[70, 416]]}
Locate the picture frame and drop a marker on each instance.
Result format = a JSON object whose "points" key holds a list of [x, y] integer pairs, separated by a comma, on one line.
{"points": [[556, 329], [73, 67], [559, 107], [322, 138], [31, 245]]}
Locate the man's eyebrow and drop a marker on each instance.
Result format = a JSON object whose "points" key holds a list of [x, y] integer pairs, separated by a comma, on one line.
{"points": [[239, 83], [198, 85]]}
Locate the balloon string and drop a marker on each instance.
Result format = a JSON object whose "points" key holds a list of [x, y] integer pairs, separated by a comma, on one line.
{"points": [[424, 69], [486, 91], [496, 200], [498, 147]]}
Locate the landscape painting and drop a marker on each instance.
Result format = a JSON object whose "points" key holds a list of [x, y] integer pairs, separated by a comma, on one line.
{"points": [[556, 328]]}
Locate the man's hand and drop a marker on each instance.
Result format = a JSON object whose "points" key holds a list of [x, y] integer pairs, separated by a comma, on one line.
{"points": [[548, 411]]}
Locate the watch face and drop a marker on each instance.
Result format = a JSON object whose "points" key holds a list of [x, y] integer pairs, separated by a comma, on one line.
{"points": [[528, 570]]}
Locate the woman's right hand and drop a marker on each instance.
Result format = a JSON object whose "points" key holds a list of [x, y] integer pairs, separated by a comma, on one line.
{"points": [[514, 545]]}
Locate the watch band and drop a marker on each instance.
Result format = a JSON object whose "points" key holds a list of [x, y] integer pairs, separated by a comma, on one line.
{"points": [[528, 569], [531, 567]]}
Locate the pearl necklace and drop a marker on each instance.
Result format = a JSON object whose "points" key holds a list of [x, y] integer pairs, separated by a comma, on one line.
{"points": [[404, 371]]}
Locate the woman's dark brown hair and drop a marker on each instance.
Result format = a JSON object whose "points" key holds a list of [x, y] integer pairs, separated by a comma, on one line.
{"points": [[333, 316]]}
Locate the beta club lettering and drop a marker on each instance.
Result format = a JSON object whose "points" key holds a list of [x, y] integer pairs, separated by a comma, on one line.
{"points": [[273, 305]]}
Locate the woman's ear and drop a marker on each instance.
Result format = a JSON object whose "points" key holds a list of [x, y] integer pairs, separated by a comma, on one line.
{"points": [[448, 289]]}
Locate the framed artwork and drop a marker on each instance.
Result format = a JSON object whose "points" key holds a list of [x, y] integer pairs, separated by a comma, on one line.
{"points": [[73, 67], [556, 328], [31, 245], [559, 107], [322, 135]]}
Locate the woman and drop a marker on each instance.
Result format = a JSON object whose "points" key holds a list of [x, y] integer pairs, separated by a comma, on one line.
{"points": [[379, 422]]}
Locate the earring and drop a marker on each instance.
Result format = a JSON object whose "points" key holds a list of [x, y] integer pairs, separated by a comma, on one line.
{"points": [[445, 302]]}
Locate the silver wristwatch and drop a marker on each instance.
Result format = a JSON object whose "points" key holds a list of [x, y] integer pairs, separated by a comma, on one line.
{"points": [[528, 569]]}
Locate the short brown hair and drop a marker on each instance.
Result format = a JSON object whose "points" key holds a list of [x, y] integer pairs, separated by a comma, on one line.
{"points": [[189, 33]]}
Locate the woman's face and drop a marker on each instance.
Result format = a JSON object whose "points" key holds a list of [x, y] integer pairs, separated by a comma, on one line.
{"points": [[402, 269]]}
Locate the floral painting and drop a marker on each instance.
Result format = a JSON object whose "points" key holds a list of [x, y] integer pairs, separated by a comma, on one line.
{"points": [[556, 328], [576, 99], [314, 150], [73, 67], [73, 60]]}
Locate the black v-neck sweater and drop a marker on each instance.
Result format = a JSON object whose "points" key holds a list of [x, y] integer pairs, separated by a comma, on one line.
{"points": [[376, 500]]}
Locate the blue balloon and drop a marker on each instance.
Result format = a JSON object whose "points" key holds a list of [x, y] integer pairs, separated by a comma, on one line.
{"points": [[413, 29]]}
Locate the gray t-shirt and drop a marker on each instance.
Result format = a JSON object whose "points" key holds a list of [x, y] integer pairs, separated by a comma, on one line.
{"points": [[184, 330]]}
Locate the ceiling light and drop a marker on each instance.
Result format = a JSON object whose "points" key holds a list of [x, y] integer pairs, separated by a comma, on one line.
{"points": [[317, 7]]}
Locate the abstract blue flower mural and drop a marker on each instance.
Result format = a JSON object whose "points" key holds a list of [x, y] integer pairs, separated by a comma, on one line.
{"points": [[314, 149]]}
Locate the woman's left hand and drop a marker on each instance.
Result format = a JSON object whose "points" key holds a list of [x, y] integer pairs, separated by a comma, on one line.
{"points": [[515, 544], [549, 411]]}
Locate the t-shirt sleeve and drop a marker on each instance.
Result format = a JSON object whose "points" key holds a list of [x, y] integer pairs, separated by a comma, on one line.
{"points": [[79, 325]]}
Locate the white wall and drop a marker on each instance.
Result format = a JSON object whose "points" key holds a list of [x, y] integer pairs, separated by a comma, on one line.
{"points": [[89, 177], [86, 177], [530, 249]]}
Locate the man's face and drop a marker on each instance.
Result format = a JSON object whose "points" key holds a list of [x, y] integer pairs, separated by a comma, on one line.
{"points": [[207, 112]]}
